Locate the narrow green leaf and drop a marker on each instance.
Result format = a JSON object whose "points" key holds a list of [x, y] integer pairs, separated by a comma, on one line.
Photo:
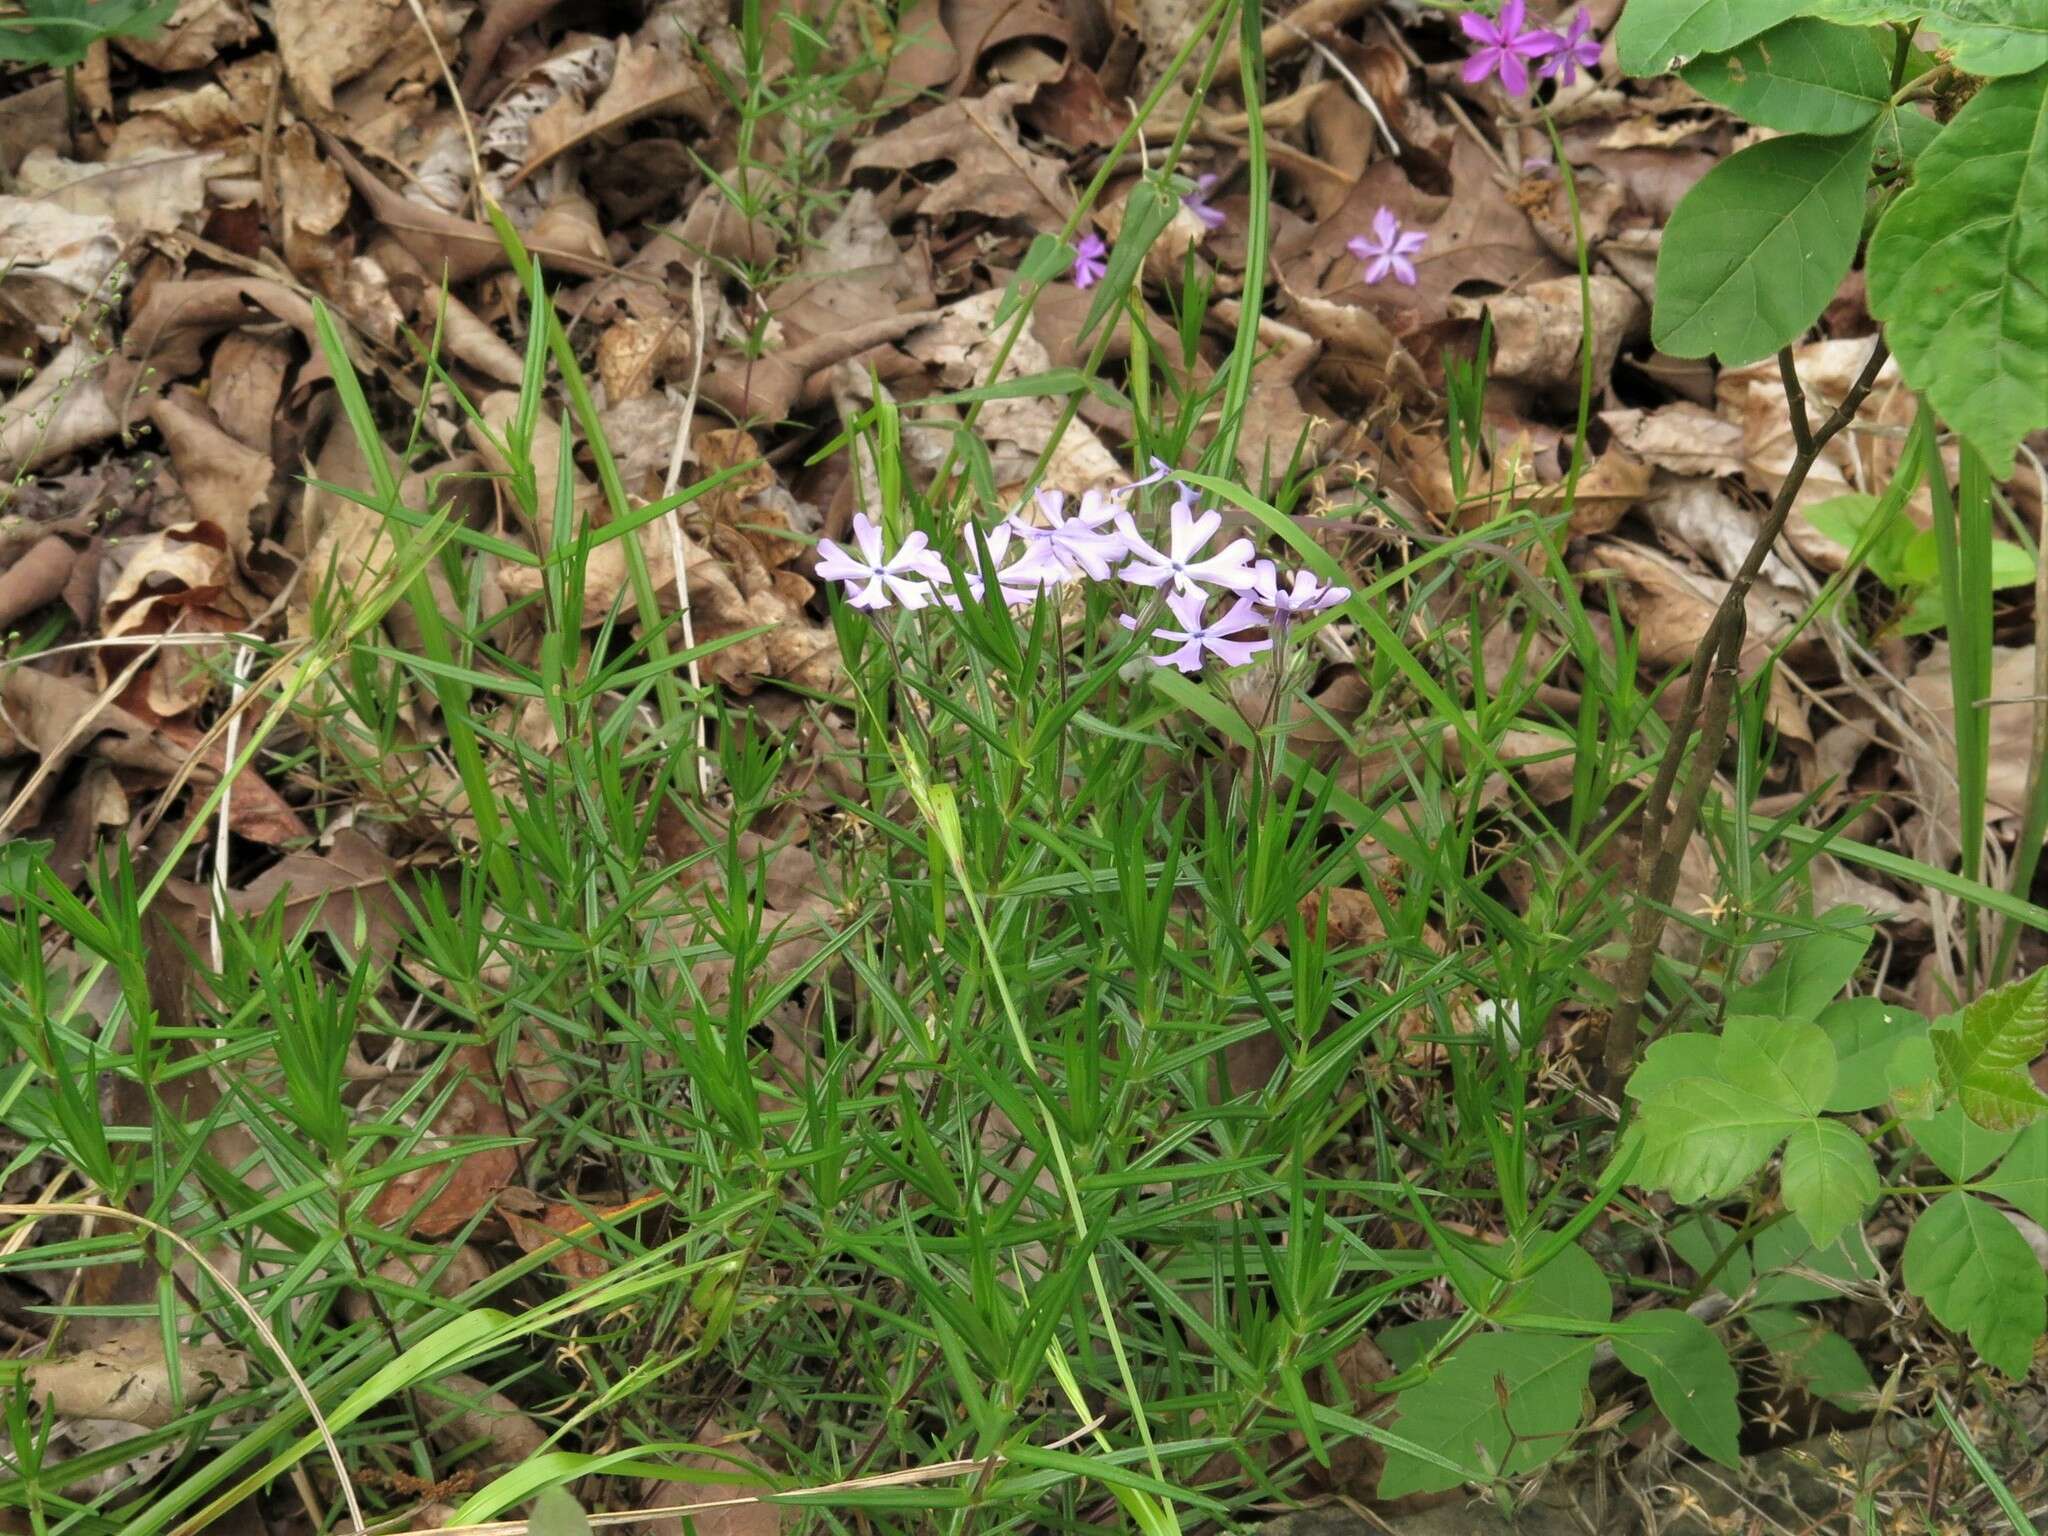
{"points": [[1757, 249], [1979, 1277], [1689, 1376], [1805, 76], [1955, 269]]}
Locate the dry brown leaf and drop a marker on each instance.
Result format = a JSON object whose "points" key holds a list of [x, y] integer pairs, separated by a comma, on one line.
{"points": [[1359, 352], [324, 46], [62, 409], [502, 19], [194, 36], [1539, 332], [2012, 730], [1075, 111], [961, 345], [347, 889], [1684, 438], [1671, 607], [36, 578], [152, 193], [992, 173], [982, 31], [313, 197], [33, 117], [181, 578], [647, 81], [739, 1520], [1608, 488], [128, 1378], [1858, 459], [226, 481], [244, 384], [56, 265], [474, 1179], [538, 1224], [42, 710], [480, 1413], [173, 321]]}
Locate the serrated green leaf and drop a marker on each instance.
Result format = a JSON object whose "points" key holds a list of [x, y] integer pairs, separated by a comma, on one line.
{"points": [[1804, 76], [1689, 1376], [1702, 1137], [1810, 974], [1789, 1063], [1979, 1277], [2021, 1178], [1813, 1357], [1983, 1052], [1829, 1178], [1654, 33], [1986, 37], [1955, 1143], [1955, 269], [1458, 1411], [1672, 1058], [1865, 1032], [1757, 248]]}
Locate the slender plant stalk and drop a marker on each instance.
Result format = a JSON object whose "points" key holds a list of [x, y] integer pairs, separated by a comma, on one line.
{"points": [[1716, 664]]}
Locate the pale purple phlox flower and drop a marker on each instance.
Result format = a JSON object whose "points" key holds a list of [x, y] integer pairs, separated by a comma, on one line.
{"points": [[1020, 580], [1181, 566], [1199, 639], [907, 577], [1197, 202], [1086, 542], [1304, 595], [1389, 249], [1091, 260]]}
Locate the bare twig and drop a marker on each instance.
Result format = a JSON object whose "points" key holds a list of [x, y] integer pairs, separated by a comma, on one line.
{"points": [[1716, 666]]}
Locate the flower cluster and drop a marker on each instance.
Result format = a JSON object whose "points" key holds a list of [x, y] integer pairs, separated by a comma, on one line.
{"points": [[1508, 46], [1096, 539]]}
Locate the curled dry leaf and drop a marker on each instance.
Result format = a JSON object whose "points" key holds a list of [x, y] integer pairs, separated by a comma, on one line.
{"points": [[467, 1412], [63, 409], [465, 1187], [1671, 608], [36, 579], [1360, 354], [992, 173], [128, 1378], [173, 321], [1539, 330], [244, 384], [43, 710], [647, 81], [1608, 488], [152, 193], [193, 37], [1684, 438], [56, 265], [226, 482]]}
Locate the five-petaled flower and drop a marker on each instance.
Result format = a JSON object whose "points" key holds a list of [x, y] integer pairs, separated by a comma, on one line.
{"points": [[1199, 638], [1576, 50], [1306, 594], [1505, 47], [1197, 203], [1019, 580], [1389, 249], [1091, 260], [906, 577], [1181, 566]]}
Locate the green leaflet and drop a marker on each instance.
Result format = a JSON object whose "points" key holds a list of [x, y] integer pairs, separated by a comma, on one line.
{"points": [[1988, 37], [1654, 33], [1687, 1369], [1757, 249], [1828, 1179], [1805, 76], [1955, 268], [1984, 1051], [1979, 1277]]}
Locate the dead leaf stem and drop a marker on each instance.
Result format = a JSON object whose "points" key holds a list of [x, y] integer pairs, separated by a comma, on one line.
{"points": [[1709, 694]]}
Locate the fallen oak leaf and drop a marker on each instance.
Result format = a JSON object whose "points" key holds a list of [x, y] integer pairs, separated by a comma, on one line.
{"points": [[992, 172], [128, 1378], [446, 245]]}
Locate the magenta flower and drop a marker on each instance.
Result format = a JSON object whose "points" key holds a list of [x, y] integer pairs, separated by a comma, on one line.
{"points": [[1181, 567], [1506, 46], [1306, 594], [1091, 260], [1087, 543], [1199, 639], [1389, 248], [1197, 203], [905, 577], [1575, 51]]}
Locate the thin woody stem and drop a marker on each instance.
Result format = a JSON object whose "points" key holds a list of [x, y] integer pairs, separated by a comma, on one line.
{"points": [[1709, 695]]}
